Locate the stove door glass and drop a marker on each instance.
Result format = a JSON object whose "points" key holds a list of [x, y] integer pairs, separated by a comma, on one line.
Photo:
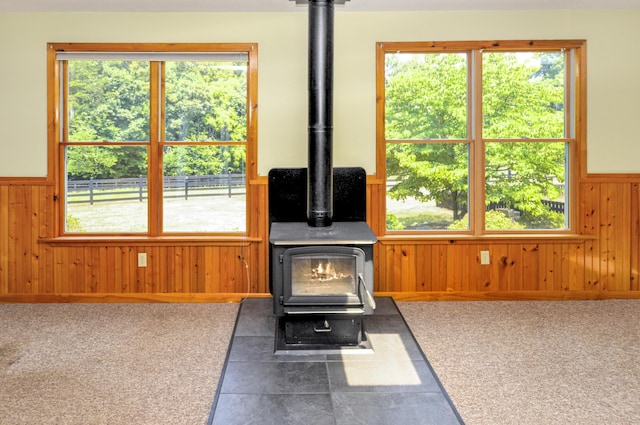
{"points": [[326, 274], [323, 275]]}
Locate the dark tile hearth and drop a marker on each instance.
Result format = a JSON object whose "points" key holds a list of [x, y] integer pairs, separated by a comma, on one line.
{"points": [[392, 383]]}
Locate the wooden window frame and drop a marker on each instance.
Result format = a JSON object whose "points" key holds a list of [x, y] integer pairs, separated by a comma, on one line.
{"points": [[55, 97], [575, 118]]}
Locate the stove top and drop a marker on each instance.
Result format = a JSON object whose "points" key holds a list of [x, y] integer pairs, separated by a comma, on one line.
{"points": [[339, 233]]}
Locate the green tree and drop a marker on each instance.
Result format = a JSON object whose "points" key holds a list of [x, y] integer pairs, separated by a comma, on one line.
{"points": [[206, 101], [106, 162], [523, 98], [431, 172], [109, 102], [203, 160], [427, 99]]}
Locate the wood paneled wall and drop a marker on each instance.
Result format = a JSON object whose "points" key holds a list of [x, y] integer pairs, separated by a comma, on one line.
{"points": [[35, 268], [603, 262]]}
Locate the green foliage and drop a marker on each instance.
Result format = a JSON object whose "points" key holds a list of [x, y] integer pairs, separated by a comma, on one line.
{"points": [[519, 99], [203, 160], [110, 101], [496, 220], [518, 175], [73, 224], [106, 162], [426, 96], [393, 223], [205, 102], [523, 98], [430, 172]]}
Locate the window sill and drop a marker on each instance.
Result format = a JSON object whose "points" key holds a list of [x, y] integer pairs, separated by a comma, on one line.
{"points": [[151, 240], [423, 239]]}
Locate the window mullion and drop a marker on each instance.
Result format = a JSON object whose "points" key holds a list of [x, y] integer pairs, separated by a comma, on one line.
{"points": [[381, 139], [477, 157], [62, 134], [154, 176]]}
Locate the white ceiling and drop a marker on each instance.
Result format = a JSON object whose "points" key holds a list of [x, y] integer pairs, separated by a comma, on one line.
{"points": [[288, 5]]}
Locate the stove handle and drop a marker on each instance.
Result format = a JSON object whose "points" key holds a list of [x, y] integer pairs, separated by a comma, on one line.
{"points": [[372, 301], [327, 328]]}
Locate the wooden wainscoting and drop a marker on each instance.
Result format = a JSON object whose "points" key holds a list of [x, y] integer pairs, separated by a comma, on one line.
{"points": [[36, 267], [26, 266], [603, 262]]}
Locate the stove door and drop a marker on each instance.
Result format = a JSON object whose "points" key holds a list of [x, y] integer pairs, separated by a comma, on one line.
{"points": [[321, 277]]}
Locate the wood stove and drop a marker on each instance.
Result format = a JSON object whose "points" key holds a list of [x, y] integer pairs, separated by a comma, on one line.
{"points": [[322, 270], [321, 248], [321, 278], [322, 283]]}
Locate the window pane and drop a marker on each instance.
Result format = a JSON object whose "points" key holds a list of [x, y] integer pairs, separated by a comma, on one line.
{"points": [[427, 186], [206, 101], [426, 96], [523, 95], [108, 101], [106, 189], [204, 188], [525, 186]]}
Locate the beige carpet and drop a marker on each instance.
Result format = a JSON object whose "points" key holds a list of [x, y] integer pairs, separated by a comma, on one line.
{"points": [[501, 362], [111, 363], [534, 362]]}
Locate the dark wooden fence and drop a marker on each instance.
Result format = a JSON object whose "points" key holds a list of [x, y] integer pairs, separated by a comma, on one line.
{"points": [[131, 189], [555, 206]]}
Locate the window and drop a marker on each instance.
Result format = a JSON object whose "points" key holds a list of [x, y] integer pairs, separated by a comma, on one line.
{"points": [[479, 137], [153, 139]]}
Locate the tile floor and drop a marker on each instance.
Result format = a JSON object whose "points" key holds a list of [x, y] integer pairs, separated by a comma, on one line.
{"points": [[394, 384]]}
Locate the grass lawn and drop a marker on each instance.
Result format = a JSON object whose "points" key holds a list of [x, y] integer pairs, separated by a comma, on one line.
{"points": [[219, 214], [196, 214], [416, 215]]}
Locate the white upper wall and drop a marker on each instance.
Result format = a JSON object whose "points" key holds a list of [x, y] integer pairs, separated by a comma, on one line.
{"points": [[613, 81]]}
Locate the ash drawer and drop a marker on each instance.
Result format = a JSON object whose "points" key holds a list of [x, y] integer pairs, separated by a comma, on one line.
{"points": [[323, 329]]}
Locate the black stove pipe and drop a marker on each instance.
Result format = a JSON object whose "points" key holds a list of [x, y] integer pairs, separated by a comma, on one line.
{"points": [[320, 161]]}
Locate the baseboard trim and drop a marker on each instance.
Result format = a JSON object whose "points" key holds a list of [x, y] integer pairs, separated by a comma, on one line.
{"points": [[510, 295], [397, 296], [128, 298]]}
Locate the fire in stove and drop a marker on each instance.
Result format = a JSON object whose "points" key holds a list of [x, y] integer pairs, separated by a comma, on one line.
{"points": [[326, 272], [322, 276]]}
